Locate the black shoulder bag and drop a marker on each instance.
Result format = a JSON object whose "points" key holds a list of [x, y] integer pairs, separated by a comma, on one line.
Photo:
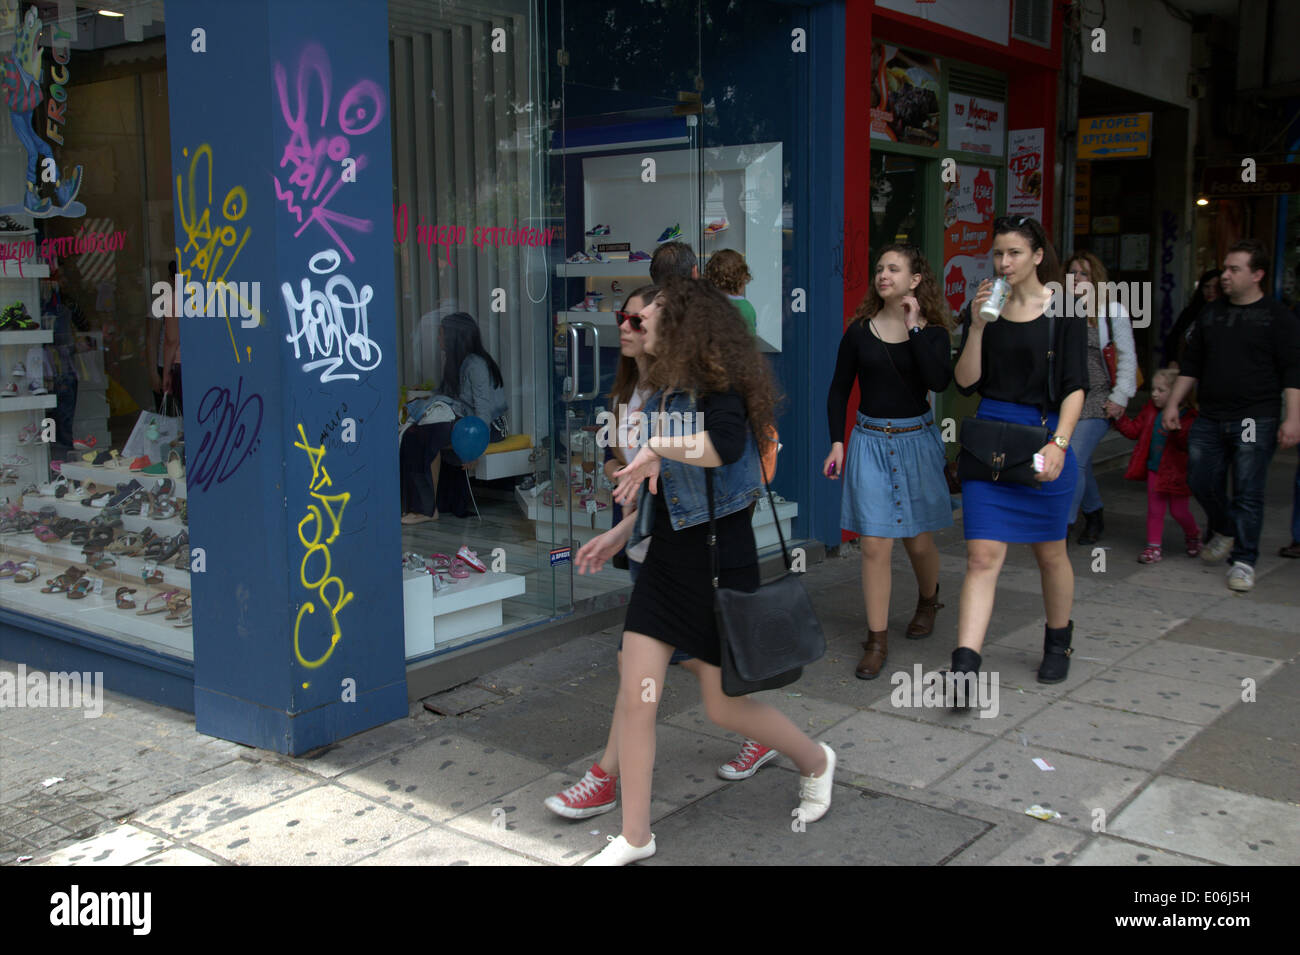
{"points": [[1001, 450], [767, 636]]}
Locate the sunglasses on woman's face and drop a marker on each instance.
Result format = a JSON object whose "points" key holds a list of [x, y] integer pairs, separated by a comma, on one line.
{"points": [[632, 319]]}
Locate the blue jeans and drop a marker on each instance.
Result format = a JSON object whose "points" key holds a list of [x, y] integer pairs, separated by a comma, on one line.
{"points": [[1087, 435], [1215, 447]]}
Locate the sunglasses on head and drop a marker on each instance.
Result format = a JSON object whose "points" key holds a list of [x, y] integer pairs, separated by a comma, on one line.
{"points": [[631, 318]]}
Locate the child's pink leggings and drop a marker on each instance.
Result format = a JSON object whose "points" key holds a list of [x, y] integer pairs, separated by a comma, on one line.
{"points": [[1177, 504]]}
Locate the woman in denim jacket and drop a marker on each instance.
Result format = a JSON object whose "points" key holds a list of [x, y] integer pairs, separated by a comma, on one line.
{"points": [[713, 391]]}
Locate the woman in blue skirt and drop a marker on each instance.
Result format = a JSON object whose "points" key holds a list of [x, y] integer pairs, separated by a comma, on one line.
{"points": [[1007, 362], [898, 348]]}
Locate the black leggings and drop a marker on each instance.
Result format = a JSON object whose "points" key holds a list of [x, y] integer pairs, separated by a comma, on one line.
{"points": [[420, 445]]}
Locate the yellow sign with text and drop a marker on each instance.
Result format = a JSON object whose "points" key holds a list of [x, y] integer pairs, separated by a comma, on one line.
{"points": [[1125, 136]]}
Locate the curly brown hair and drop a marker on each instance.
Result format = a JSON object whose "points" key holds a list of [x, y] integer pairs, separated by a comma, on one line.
{"points": [[728, 271], [934, 307], [703, 346]]}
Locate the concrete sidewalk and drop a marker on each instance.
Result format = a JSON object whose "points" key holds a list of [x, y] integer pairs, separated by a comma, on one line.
{"points": [[1155, 758]]}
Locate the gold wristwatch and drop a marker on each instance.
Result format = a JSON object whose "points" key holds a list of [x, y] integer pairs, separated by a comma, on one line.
{"points": [[1061, 441]]}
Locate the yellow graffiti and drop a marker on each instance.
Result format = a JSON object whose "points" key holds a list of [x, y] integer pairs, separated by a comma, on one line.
{"points": [[205, 245], [342, 596]]}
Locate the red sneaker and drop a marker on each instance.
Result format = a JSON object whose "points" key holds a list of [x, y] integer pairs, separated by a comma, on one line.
{"points": [[746, 763], [590, 796]]}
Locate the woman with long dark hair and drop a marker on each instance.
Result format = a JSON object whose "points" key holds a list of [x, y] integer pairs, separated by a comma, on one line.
{"points": [[471, 386], [894, 485], [705, 363], [1008, 361], [1207, 290]]}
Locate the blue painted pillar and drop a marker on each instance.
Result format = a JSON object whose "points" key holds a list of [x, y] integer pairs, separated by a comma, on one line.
{"points": [[282, 178]]}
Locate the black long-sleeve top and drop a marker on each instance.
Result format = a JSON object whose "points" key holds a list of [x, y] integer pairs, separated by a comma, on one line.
{"points": [[1013, 361], [1242, 357], [923, 361]]}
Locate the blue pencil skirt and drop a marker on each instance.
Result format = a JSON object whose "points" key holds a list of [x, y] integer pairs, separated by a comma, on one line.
{"points": [[893, 483], [1016, 513]]}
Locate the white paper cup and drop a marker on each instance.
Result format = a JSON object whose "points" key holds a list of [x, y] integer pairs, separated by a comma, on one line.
{"points": [[997, 300]]}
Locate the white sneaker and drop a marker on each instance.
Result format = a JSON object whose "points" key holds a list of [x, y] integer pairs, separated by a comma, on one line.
{"points": [[1217, 550], [618, 852], [815, 791], [1242, 577], [19, 370]]}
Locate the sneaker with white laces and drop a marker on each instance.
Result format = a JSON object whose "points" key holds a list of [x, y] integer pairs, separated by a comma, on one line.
{"points": [[747, 762], [815, 791], [10, 390], [619, 852], [1242, 577], [1217, 550], [590, 796]]}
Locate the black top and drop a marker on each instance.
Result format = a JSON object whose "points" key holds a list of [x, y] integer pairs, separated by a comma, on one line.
{"points": [[728, 428], [1013, 361], [923, 362], [1242, 357]]}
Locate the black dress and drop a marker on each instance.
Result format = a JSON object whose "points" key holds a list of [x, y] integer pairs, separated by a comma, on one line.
{"points": [[673, 597]]}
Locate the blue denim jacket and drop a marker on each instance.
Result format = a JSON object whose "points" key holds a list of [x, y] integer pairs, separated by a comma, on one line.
{"points": [[735, 485]]}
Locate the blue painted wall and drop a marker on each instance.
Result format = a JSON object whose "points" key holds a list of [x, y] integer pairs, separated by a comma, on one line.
{"points": [[298, 527]]}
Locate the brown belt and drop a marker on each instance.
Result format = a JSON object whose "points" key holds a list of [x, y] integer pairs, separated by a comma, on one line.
{"points": [[915, 427]]}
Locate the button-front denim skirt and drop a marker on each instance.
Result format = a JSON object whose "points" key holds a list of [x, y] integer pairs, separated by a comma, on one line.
{"points": [[893, 483]]}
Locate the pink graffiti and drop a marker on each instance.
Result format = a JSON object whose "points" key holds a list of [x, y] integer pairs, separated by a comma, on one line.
{"points": [[317, 164]]}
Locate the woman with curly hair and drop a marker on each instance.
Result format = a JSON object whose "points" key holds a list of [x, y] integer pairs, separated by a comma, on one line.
{"points": [[705, 368], [894, 486]]}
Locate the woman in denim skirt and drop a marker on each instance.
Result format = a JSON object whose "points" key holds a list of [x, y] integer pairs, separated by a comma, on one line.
{"points": [[1007, 362], [894, 486]]}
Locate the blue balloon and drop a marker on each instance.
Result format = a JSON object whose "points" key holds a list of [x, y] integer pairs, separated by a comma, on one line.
{"points": [[469, 438]]}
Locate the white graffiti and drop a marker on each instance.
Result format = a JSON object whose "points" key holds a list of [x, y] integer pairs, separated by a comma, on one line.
{"points": [[320, 320]]}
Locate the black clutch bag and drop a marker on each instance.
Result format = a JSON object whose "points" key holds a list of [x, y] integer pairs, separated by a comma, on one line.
{"points": [[1002, 451], [767, 636]]}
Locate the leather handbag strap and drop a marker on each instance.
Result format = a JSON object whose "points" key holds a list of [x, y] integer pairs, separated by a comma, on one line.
{"points": [[713, 528]]}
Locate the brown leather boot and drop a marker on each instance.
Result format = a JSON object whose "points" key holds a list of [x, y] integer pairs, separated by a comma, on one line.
{"points": [[877, 649], [922, 624]]}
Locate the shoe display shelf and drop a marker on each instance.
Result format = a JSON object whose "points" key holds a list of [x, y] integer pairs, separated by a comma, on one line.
{"points": [[585, 525], [764, 523], [111, 477], [132, 523], [435, 617], [23, 409]]}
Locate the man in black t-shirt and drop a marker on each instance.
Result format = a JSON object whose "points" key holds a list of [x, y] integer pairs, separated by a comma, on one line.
{"points": [[1244, 349]]}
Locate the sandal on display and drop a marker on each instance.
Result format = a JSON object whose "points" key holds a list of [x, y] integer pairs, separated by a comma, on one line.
{"points": [[123, 598], [45, 535], [128, 545], [176, 465], [458, 569], [177, 606], [79, 589], [183, 558], [471, 558], [186, 619], [65, 580], [103, 562], [8, 569], [28, 571], [161, 599], [151, 578]]}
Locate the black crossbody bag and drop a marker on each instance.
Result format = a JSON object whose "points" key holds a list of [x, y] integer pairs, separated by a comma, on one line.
{"points": [[767, 636], [1002, 451]]}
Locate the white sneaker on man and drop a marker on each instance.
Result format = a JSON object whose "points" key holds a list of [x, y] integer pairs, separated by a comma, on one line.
{"points": [[1217, 550], [815, 791], [1242, 577], [619, 852]]}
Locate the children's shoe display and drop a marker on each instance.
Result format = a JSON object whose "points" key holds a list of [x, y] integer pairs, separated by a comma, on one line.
{"points": [[471, 558], [579, 258], [598, 230], [639, 256], [670, 234], [716, 226], [10, 390], [36, 386], [19, 370]]}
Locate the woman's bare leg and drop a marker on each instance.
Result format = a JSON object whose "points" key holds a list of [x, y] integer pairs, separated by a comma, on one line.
{"points": [[924, 555], [645, 664], [608, 761], [1057, 574], [984, 559], [877, 578]]}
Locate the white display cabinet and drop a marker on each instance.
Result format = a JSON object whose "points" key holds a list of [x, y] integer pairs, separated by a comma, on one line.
{"points": [[18, 412], [740, 183]]}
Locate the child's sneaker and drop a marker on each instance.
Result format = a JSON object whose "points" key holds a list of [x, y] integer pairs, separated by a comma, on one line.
{"points": [[471, 558], [1193, 545], [1151, 555], [590, 796]]}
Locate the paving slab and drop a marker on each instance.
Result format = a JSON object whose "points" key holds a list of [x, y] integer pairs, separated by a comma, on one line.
{"points": [[1157, 695], [326, 825], [1097, 732], [1248, 762], [338, 758], [1238, 609], [1238, 637], [178, 856], [443, 777], [901, 750], [1004, 775], [1014, 706], [440, 846], [252, 788], [120, 845], [1211, 823], [1025, 841], [1201, 664], [1107, 850]]}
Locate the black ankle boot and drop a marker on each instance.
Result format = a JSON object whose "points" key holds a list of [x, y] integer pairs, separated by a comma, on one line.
{"points": [[1056, 654], [964, 660], [1093, 525]]}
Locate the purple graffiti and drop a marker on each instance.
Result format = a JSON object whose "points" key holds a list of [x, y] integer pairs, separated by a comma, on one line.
{"points": [[321, 162], [230, 430]]}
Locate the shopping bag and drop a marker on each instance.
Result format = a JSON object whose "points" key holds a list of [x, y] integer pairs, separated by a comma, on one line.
{"points": [[153, 433]]}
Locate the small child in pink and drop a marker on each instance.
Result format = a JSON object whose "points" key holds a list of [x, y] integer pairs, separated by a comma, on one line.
{"points": [[1160, 459]]}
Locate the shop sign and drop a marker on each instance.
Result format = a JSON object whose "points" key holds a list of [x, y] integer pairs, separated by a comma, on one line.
{"points": [[1025, 173], [904, 96], [969, 205], [1127, 135], [976, 125], [560, 556], [989, 19], [1105, 225], [1082, 197], [1270, 179]]}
